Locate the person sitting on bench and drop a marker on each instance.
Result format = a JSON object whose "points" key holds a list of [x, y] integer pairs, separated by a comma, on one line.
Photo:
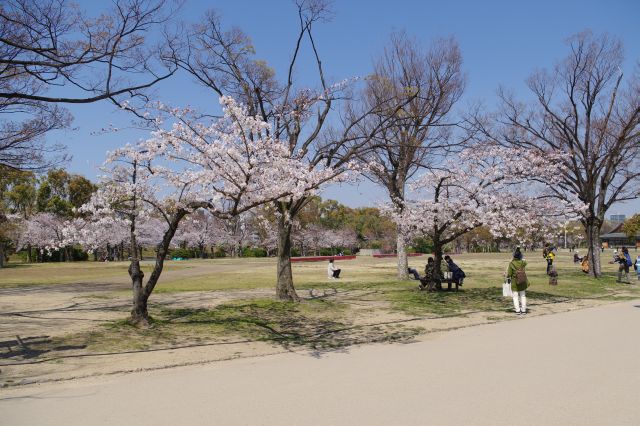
{"points": [[457, 274], [332, 271], [430, 281], [412, 271]]}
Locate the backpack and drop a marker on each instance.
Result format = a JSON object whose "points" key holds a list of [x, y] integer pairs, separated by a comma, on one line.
{"points": [[628, 259], [521, 276]]}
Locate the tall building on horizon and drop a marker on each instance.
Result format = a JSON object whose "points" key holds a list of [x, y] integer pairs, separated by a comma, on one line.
{"points": [[618, 218]]}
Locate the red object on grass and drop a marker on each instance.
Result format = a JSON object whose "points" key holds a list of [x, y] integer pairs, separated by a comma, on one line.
{"points": [[321, 258]]}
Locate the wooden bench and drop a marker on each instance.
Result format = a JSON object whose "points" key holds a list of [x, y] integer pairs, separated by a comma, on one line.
{"points": [[450, 282]]}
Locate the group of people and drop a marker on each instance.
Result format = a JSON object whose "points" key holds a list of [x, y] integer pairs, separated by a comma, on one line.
{"points": [[432, 279], [582, 260]]}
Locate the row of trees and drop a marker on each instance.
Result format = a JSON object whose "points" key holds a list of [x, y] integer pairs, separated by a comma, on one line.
{"points": [[46, 223], [571, 151]]}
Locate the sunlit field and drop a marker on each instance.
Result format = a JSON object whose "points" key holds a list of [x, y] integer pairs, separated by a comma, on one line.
{"points": [[483, 270]]}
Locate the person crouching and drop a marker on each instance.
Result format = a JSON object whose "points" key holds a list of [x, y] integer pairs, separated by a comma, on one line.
{"points": [[332, 271]]}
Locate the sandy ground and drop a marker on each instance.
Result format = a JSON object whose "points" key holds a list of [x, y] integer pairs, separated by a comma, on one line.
{"points": [[579, 367], [56, 311]]}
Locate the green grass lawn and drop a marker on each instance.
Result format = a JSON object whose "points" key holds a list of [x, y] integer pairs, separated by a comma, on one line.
{"points": [[27, 274], [483, 271]]}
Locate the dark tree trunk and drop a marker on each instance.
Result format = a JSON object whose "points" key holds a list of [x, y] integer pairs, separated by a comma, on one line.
{"points": [[592, 228], [29, 254], [284, 287], [139, 314], [1, 255], [438, 254], [141, 294]]}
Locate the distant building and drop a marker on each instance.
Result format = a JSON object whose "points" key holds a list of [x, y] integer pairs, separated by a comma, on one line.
{"points": [[617, 238], [617, 218]]}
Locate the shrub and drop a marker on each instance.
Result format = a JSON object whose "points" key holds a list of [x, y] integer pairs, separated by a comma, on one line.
{"points": [[183, 253], [254, 252], [219, 252]]}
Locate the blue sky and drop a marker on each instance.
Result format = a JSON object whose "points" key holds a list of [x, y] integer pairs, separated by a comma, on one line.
{"points": [[502, 42]]}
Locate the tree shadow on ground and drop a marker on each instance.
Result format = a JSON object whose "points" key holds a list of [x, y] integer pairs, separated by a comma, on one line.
{"points": [[317, 325], [462, 302], [32, 347]]}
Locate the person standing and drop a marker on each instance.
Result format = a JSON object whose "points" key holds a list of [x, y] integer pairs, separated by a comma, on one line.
{"points": [[549, 254], [636, 266], [332, 271], [624, 260], [553, 276], [519, 282]]}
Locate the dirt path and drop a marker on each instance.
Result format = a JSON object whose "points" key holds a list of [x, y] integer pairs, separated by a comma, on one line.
{"points": [[577, 367]]}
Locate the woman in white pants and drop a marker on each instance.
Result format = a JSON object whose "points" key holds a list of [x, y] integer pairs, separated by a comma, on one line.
{"points": [[519, 282]]}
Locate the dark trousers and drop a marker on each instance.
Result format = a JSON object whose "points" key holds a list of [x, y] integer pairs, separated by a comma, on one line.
{"points": [[413, 272], [336, 273]]}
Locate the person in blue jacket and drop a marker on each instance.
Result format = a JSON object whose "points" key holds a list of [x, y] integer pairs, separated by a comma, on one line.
{"points": [[457, 274]]}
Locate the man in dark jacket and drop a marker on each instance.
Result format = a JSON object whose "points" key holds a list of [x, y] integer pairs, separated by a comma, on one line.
{"points": [[457, 274]]}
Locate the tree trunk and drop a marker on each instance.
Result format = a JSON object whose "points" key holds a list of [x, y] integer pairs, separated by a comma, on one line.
{"points": [[593, 247], [29, 257], [139, 314], [403, 263], [1, 255], [438, 254], [284, 287]]}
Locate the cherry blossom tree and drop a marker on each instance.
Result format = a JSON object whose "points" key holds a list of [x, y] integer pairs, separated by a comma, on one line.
{"points": [[97, 234], [199, 231], [224, 62], [227, 166], [45, 232], [586, 107], [426, 82], [482, 187], [266, 232]]}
